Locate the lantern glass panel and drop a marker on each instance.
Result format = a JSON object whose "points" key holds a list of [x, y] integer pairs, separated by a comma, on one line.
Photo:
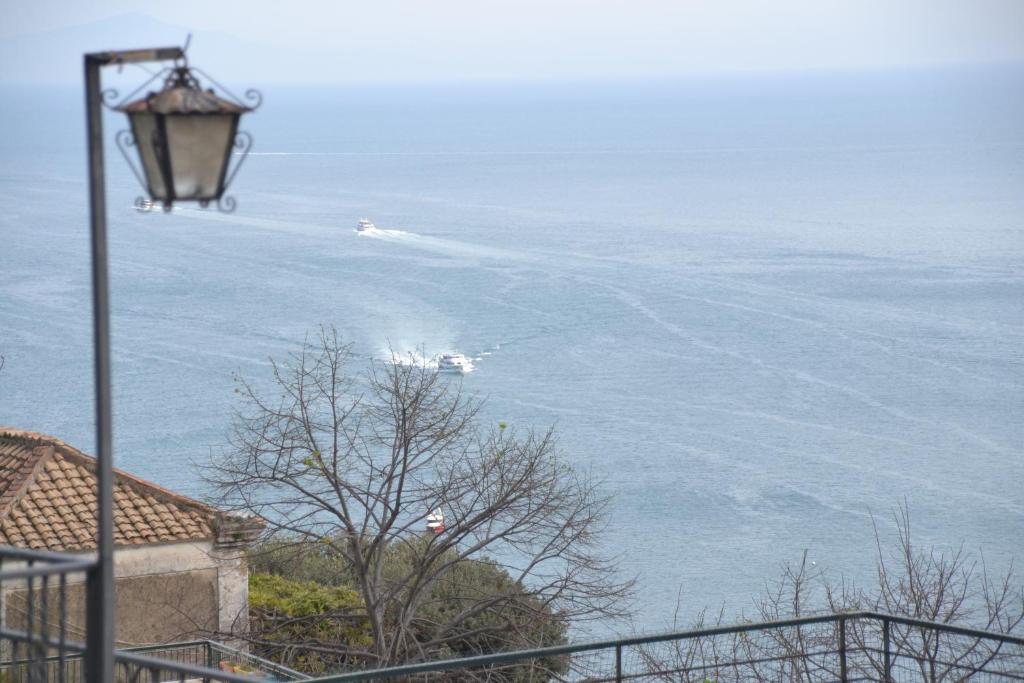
{"points": [[144, 129], [199, 147]]}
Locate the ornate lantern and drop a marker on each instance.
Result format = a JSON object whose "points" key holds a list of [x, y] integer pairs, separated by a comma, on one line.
{"points": [[186, 137]]}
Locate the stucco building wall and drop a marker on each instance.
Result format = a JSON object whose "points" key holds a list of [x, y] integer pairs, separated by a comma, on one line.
{"points": [[165, 593]]}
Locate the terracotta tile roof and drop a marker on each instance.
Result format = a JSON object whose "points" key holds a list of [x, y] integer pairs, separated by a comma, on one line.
{"points": [[48, 500]]}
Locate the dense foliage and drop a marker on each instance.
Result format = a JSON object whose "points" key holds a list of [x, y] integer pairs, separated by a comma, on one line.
{"points": [[300, 623], [317, 607]]}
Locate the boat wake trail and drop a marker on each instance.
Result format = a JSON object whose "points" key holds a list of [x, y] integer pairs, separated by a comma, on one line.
{"points": [[416, 359], [440, 245], [456, 363], [272, 224]]}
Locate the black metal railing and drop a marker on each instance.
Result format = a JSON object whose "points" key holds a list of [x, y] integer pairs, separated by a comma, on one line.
{"points": [[165, 665], [213, 655], [42, 632], [42, 617], [36, 614], [847, 647], [195, 654]]}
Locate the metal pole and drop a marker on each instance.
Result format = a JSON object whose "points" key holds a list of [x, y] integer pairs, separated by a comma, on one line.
{"points": [[618, 663], [99, 600], [99, 636]]}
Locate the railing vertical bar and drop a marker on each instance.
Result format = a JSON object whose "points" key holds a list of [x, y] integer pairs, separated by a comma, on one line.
{"points": [[842, 650], [30, 620], [618, 663], [44, 621], [31, 647], [62, 600], [887, 676], [3, 605]]}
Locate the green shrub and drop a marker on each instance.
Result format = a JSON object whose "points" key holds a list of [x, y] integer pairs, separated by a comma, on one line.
{"points": [[508, 618], [291, 620]]}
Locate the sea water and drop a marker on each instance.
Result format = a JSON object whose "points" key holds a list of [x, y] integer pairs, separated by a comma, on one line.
{"points": [[761, 309]]}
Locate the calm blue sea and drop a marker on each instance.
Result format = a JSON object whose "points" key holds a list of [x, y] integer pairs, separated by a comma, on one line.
{"points": [[762, 309]]}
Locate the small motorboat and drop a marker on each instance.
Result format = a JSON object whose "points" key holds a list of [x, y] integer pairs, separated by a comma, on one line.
{"points": [[435, 522], [365, 225]]}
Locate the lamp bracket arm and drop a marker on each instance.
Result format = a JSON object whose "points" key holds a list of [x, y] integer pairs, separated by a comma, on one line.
{"points": [[158, 54]]}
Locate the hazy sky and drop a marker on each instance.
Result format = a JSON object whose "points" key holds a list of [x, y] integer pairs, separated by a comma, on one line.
{"points": [[406, 40]]}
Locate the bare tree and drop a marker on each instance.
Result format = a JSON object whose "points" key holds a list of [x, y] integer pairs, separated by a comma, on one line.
{"points": [[359, 466], [795, 594], [947, 587], [688, 660]]}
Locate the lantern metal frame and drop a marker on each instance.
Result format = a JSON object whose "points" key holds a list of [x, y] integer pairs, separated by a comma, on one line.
{"points": [[239, 145]]}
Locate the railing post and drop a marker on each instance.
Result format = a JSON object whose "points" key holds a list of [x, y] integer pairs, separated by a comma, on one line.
{"points": [[842, 650], [618, 663], [887, 677]]}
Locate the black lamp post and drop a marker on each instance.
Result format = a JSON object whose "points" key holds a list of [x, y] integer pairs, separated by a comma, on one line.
{"points": [[186, 138]]}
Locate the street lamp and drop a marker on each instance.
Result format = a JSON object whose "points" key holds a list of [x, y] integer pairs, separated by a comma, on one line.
{"points": [[186, 138]]}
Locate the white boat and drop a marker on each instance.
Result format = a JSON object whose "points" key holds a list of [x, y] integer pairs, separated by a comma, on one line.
{"points": [[364, 225], [454, 362], [144, 205], [435, 522]]}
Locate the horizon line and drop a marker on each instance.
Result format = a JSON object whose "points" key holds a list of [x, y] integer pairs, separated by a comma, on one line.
{"points": [[728, 74]]}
